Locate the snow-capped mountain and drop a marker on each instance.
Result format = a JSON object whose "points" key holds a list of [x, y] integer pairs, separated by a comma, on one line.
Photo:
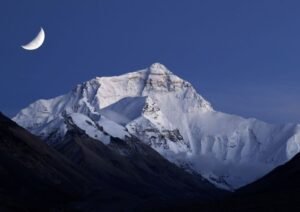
{"points": [[167, 113]]}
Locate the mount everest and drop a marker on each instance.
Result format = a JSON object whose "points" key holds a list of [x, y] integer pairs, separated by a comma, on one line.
{"points": [[166, 113]]}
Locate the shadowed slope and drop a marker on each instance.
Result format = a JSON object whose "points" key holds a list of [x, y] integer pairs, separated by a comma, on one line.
{"points": [[85, 174], [32, 174]]}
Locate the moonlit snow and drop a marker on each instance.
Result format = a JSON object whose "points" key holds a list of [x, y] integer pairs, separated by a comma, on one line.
{"points": [[167, 113]]}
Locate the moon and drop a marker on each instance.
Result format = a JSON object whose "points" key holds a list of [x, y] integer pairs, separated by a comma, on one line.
{"points": [[37, 42]]}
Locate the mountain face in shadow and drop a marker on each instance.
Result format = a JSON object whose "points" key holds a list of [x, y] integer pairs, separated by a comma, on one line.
{"points": [[34, 175], [277, 191], [81, 173]]}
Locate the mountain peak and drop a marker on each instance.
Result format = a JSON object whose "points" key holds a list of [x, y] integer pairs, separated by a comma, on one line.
{"points": [[158, 68], [167, 113]]}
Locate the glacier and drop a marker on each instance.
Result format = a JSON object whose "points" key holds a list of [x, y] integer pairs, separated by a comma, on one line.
{"points": [[166, 112]]}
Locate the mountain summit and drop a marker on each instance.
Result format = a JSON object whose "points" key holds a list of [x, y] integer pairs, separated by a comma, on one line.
{"points": [[159, 68], [166, 113]]}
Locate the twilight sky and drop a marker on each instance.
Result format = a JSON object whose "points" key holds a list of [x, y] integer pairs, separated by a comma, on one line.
{"points": [[242, 55]]}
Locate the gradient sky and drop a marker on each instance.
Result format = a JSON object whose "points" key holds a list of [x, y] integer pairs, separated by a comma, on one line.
{"points": [[242, 56]]}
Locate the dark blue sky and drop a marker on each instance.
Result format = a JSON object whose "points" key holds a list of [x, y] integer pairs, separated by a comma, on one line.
{"points": [[242, 56]]}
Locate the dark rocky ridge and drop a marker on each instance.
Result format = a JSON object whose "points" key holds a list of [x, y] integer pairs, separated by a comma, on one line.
{"points": [[83, 174], [34, 175]]}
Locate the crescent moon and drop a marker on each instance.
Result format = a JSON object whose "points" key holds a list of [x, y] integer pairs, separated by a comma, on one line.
{"points": [[36, 42]]}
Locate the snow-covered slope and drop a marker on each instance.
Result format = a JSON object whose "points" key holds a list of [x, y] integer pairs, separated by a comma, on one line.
{"points": [[167, 113]]}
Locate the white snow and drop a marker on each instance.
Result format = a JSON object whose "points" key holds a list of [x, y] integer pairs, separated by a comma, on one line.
{"points": [[90, 128], [167, 113], [113, 129], [124, 110]]}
